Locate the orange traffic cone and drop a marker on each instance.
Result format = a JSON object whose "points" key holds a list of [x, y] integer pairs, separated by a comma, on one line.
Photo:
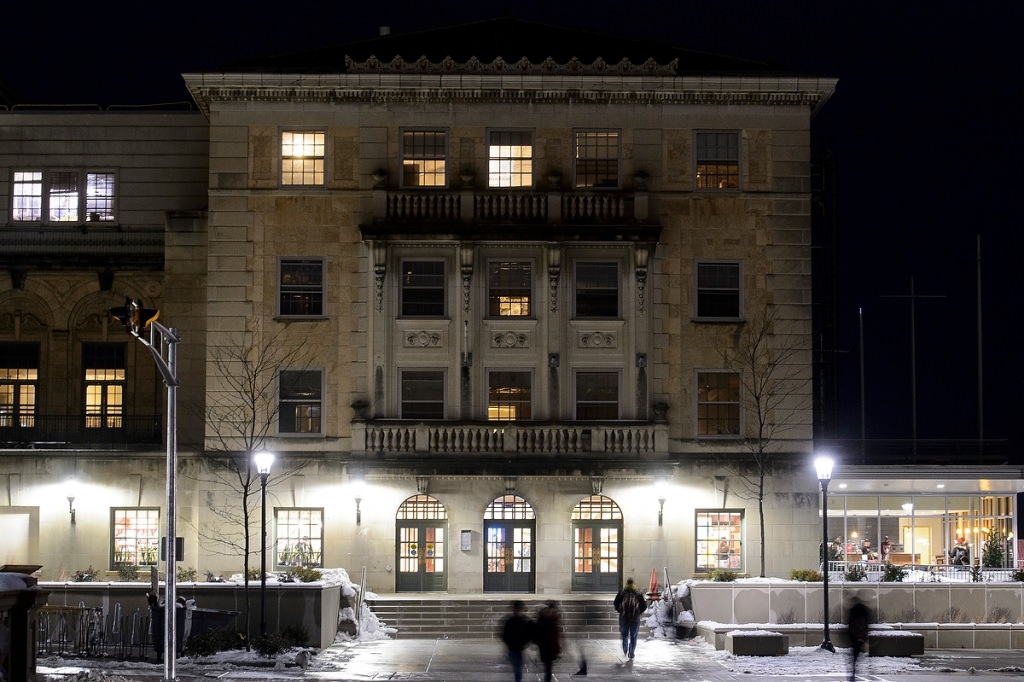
{"points": [[652, 589]]}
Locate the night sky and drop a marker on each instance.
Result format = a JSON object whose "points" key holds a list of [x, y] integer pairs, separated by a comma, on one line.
{"points": [[924, 129]]}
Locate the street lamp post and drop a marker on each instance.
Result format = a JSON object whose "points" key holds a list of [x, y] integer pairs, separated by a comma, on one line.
{"points": [[263, 461], [823, 467]]}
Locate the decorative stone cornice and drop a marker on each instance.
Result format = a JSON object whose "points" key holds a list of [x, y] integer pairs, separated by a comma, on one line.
{"points": [[499, 65]]}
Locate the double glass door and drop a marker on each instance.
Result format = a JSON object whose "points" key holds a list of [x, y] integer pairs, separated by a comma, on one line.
{"points": [[508, 556]]}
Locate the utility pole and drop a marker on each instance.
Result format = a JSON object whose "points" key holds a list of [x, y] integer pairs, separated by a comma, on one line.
{"points": [[162, 344], [913, 355]]}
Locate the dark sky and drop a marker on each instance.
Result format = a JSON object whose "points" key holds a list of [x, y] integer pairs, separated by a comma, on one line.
{"points": [[924, 127]]}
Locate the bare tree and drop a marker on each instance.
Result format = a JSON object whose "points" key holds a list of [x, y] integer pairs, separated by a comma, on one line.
{"points": [[242, 411], [775, 392]]}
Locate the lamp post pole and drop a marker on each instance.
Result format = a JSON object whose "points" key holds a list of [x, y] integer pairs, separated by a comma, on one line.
{"points": [[823, 466], [263, 460]]}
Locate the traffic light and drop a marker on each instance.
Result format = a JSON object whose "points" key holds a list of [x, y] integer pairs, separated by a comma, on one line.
{"points": [[133, 316]]}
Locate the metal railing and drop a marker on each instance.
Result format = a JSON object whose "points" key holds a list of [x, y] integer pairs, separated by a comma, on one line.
{"points": [[874, 572], [73, 431]]}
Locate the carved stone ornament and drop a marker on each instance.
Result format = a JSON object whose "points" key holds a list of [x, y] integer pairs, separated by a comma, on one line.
{"points": [[597, 340], [423, 339], [510, 340]]}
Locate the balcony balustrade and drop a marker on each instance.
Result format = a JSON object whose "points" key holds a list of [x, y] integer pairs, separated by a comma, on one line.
{"points": [[77, 431], [642, 440], [509, 206], [77, 247]]}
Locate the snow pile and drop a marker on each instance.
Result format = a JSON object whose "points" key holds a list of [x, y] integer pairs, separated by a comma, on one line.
{"points": [[672, 613]]}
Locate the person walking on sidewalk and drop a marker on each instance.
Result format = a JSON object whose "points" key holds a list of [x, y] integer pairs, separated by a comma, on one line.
{"points": [[516, 633], [548, 636], [858, 622], [630, 604]]}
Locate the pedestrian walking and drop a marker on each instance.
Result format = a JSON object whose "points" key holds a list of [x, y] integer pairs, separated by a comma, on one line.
{"points": [[858, 622], [630, 604], [548, 636], [516, 633]]}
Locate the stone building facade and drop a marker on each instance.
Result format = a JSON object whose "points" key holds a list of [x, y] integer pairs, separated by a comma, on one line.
{"points": [[491, 317]]}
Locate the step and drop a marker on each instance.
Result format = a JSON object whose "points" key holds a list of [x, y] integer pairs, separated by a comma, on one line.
{"points": [[446, 617]]}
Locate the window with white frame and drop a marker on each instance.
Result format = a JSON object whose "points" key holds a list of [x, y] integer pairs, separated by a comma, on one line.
{"points": [[63, 196], [299, 536], [718, 160], [510, 158], [423, 288], [597, 158], [135, 536], [718, 291], [302, 157], [596, 289], [301, 287], [597, 395], [719, 534], [424, 153], [103, 369], [509, 395], [718, 404], [509, 288], [301, 401], [19, 382], [422, 394]]}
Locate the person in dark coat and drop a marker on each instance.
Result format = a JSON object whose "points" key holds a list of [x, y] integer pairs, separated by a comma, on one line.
{"points": [[858, 623], [156, 625], [516, 633], [548, 636], [630, 603]]}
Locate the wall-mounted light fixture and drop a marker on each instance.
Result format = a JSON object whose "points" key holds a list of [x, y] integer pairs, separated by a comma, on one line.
{"points": [[357, 495], [72, 487], [662, 496]]}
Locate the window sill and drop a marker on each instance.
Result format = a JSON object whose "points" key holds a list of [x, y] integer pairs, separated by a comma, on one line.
{"points": [[300, 318]]}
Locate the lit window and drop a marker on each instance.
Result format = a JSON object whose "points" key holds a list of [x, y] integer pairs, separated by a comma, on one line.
{"points": [[718, 160], [718, 290], [597, 395], [301, 401], [104, 372], [597, 158], [510, 159], [423, 158], [19, 381], [423, 290], [136, 536], [57, 197], [509, 287], [302, 157], [422, 394], [299, 537], [301, 287], [719, 536], [509, 396], [597, 290], [718, 404]]}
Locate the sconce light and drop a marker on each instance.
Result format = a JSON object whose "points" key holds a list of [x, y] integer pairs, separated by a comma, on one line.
{"points": [[71, 508], [553, 360], [357, 495], [72, 488], [661, 488]]}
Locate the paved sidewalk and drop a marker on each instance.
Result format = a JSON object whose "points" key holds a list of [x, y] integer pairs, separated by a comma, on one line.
{"points": [[483, 660]]}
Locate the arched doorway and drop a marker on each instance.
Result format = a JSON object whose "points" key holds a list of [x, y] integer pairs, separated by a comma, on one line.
{"points": [[421, 527], [510, 528], [597, 545]]}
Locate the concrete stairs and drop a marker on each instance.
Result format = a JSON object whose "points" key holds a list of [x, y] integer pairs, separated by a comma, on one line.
{"points": [[479, 617]]}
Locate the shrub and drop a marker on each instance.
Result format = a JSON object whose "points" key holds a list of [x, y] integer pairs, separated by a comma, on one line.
{"points": [[720, 575], [856, 574], [977, 575], [305, 575], [85, 576], [1018, 575], [185, 575], [893, 574], [806, 575], [127, 573], [269, 645], [253, 574], [212, 642]]}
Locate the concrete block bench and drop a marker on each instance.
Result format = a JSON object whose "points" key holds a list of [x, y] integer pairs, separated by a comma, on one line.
{"points": [[756, 643], [895, 643]]}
